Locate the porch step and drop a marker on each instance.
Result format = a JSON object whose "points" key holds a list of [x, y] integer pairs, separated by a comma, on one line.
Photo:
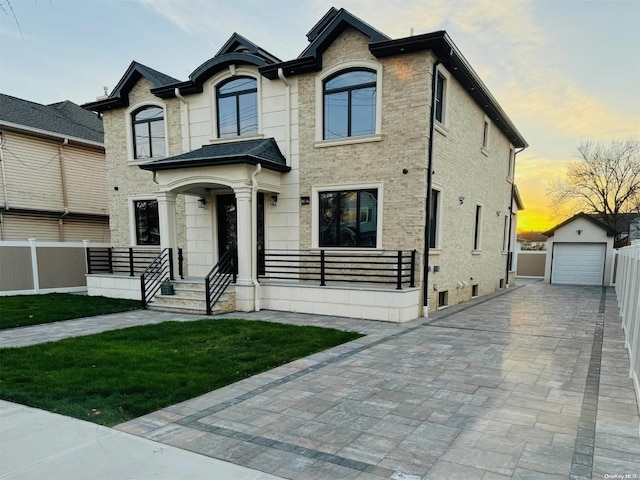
{"points": [[189, 297]]}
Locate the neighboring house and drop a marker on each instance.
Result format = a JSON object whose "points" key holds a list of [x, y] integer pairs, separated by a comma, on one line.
{"points": [[533, 240], [579, 252], [627, 225], [52, 172], [334, 152]]}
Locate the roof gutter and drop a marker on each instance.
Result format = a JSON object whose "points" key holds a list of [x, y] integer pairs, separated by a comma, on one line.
{"points": [[427, 226]]}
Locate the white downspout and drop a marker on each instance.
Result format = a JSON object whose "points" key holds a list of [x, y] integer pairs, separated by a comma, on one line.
{"points": [[184, 101], [254, 238], [65, 199], [4, 178], [288, 107]]}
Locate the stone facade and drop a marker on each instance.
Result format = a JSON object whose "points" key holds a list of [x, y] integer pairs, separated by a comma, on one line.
{"points": [[125, 178]]}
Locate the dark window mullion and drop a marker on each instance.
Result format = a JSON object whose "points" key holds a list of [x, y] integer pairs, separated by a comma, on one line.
{"points": [[238, 115], [349, 113], [150, 147], [338, 218], [358, 239]]}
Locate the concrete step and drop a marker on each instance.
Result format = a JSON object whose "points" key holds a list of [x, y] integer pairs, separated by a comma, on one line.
{"points": [[168, 307], [185, 300]]}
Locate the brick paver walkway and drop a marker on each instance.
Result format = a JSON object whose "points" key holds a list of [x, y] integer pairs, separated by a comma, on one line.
{"points": [[530, 383]]}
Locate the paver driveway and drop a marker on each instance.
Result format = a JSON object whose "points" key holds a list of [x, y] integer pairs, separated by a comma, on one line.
{"points": [[529, 383]]}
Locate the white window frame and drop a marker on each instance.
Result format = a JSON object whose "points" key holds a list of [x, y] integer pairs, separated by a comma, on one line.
{"points": [[375, 137], [214, 83], [512, 163], [132, 220], [486, 135], [439, 210], [315, 212], [443, 126], [477, 228], [129, 130]]}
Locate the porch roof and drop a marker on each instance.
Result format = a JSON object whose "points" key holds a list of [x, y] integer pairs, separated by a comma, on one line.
{"points": [[264, 151]]}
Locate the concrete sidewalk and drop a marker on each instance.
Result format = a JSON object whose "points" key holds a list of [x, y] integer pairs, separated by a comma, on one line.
{"points": [[39, 445]]}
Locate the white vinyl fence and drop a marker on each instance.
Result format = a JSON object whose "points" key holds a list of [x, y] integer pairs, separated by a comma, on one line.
{"points": [[28, 267], [628, 293]]}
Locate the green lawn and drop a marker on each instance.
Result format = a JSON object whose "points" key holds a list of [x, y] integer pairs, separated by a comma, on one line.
{"points": [[23, 310], [114, 376]]}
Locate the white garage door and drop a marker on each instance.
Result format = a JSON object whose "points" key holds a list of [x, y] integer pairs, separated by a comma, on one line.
{"points": [[578, 263]]}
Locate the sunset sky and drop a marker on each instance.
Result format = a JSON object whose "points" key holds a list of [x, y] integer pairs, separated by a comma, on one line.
{"points": [[563, 70]]}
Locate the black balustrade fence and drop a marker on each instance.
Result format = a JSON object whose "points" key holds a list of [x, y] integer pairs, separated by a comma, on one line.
{"points": [[128, 261], [380, 267]]}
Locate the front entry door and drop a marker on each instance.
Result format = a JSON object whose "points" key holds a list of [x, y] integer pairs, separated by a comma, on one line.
{"points": [[228, 227]]}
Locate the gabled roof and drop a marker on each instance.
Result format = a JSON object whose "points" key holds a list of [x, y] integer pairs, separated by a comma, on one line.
{"points": [[119, 97], [321, 36], [264, 151], [62, 119], [622, 221], [610, 231]]}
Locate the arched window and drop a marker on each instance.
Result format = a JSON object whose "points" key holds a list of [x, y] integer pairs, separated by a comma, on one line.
{"points": [[237, 107], [350, 104], [148, 133]]}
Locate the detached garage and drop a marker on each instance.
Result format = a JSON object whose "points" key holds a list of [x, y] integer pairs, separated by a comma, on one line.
{"points": [[579, 252]]}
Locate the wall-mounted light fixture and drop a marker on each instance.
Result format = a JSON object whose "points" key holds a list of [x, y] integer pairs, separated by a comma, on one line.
{"points": [[461, 200], [305, 200], [273, 200], [579, 231], [202, 202]]}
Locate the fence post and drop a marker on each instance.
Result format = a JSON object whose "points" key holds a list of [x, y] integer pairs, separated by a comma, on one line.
{"points": [[399, 274], [413, 269], [110, 255], [88, 260], [34, 265], [322, 282], [143, 294], [180, 267], [131, 261], [170, 263], [87, 264]]}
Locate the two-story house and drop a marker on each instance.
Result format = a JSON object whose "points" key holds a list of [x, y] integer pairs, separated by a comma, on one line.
{"points": [[52, 172], [368, 177]]}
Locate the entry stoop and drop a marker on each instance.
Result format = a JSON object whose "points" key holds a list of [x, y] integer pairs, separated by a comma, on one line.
{"points": [[190, 297]]}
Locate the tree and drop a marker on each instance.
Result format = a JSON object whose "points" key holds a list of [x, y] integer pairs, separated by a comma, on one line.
{"points": [[605, 181]]}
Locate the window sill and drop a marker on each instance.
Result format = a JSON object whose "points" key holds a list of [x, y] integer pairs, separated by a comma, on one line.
{"points": [[348, 140], [239, 138], [476, 252], [504, 252], [435, 251], [484, 151], [442, 307], [142, 161], [441, 128]]}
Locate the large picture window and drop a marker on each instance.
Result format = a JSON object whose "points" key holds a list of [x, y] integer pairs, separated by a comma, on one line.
{"points": [[350, 104], [148, 133], [238, 107], [147, 222], [348, 218]]}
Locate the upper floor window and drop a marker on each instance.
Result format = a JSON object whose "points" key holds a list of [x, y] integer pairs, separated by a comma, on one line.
{"points": [[237, 107], [348, 218], [148, 133], [350, 104], [485, 134], [441, 85]]}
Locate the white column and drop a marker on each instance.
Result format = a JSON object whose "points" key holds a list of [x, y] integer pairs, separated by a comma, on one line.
{"points": [[167, 219], [244, 285]]}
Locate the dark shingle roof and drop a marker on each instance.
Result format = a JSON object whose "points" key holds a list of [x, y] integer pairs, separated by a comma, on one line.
{"points": [[610, 231], [62, 118], [264, 151]]}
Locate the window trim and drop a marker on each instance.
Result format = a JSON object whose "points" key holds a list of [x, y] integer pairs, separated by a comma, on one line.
{"points": [[486, 135], [477, 228], [133, 237], [315, 213], [443, 125], [334, 70], [128, 120], [438, 223], [218, 79]]}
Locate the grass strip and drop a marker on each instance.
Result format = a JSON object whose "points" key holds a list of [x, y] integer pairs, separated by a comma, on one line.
{"points": [[24, 310], [115, 376]]}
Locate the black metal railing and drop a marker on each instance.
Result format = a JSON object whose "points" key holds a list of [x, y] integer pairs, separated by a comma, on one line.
{"points": [[160, 269], [219, 278], [385, 267], [130, 261]]}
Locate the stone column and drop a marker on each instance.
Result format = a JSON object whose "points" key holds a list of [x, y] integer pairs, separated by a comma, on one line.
{"points": [[167, 219], [244, 284]]}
